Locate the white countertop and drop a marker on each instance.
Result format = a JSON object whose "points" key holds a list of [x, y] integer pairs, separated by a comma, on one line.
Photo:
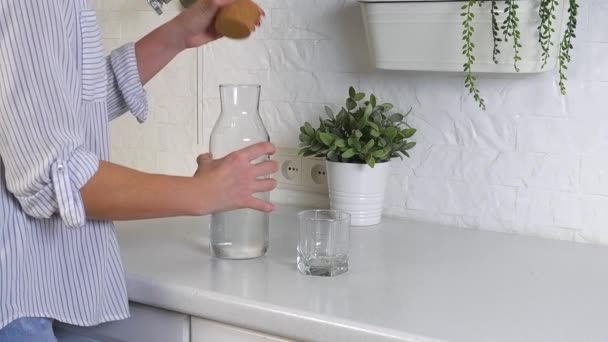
{"points": [[408, 281]]}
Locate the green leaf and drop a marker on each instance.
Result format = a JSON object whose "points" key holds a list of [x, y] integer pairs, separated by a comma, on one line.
{"points": [[362, 122], [369, 145], [397, 117], [359, 96], [329, 113], [348, 153], [332, 156], [351, 104], [304, 138], [409, 146], [374, 133], [352, 92], [374, 126], [381, 154], [316, 147], [327, 138], [381, 142], [308, 129], [368, 110], [391, 133], [408, 132], [378, 110], [371, 161], [351, 120], [372, 100], [358, 134], [377, 117], [308, 153], [387, 107]]}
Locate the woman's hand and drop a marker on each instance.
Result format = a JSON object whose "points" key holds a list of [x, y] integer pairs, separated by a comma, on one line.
{"points": [[197, 22], [193, 27], [119, 193], [230, 183]]}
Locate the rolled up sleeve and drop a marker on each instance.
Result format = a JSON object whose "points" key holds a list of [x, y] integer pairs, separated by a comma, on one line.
{"points": [[125, 90], [41, 136]]}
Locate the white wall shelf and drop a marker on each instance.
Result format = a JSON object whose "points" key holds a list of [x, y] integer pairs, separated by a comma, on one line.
{"points": [[427, 35]]}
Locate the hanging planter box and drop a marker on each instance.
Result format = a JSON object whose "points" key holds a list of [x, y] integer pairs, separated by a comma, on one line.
{"points": [[427, 35]]}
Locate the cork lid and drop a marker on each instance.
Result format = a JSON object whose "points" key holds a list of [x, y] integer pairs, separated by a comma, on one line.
{"points": [[237, 20]]}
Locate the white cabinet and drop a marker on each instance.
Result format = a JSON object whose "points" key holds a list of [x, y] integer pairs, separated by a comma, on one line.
{"points": [[149, 324], [205, 331], [146, 324]]}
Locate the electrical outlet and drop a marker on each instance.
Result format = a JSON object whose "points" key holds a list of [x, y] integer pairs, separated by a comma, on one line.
{"points": [[290, 168], [300, 173], [314, 174]]}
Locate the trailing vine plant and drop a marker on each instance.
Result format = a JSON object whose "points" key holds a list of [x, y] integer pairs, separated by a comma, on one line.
{"points": [[467, 50], [495, 31], [510, 30], [545, 29], [566, 45]]}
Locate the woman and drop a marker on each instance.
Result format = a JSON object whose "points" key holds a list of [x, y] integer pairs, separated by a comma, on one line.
{"points": [[59, 258]]}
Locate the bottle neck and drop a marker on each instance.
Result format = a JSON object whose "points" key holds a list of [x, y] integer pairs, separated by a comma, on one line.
{"points": [[240, 100]]}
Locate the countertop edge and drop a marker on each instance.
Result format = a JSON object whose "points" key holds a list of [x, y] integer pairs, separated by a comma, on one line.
{"points": [[253, 315]]}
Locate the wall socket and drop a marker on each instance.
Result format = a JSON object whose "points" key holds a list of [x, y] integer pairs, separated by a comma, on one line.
{"points": [[300, 173]]}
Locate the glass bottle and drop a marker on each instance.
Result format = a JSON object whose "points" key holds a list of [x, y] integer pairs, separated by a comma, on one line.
{"points": [[243, 233]]}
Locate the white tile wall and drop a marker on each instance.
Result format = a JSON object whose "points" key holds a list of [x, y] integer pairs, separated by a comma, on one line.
{"points": [[534, 163]]}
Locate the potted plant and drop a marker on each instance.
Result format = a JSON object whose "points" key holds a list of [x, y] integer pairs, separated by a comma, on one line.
{"points": [[474, 36], [358, 143]]}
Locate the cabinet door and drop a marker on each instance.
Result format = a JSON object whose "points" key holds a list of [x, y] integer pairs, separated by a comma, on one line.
{"points": [[209, 331], [146, 324]]}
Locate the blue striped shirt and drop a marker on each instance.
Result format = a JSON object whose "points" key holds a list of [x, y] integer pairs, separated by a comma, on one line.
{"points": [[57, 95]]}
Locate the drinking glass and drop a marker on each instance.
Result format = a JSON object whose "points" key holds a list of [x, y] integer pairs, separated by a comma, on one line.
{"points": [[323, 242]]}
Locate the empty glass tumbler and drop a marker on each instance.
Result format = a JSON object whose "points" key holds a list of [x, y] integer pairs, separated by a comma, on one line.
{"points": [[243, 233], [323, 242]]}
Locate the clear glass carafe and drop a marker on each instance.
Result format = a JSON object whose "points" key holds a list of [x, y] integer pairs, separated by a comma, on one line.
{"points": [[243, 233]]}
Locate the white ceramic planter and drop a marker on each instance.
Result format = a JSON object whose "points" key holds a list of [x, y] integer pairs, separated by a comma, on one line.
{"points": [[359, 190], [427, 35]]}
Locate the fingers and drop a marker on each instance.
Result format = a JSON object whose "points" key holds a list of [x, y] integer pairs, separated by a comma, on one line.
{"points": [[264, 185], [258, 150], [203, 5], [265, 168], [204, 158], [262, 14], [222, 3], [258, 204]]}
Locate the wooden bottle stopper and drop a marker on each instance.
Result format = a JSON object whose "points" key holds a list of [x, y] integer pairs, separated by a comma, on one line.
{"points": [[238, 19]]}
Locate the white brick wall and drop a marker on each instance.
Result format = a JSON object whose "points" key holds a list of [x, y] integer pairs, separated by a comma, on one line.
{"points": [[534, 163]]}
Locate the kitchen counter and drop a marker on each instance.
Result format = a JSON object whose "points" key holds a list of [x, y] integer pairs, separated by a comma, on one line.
{"points": [[408, 281]]}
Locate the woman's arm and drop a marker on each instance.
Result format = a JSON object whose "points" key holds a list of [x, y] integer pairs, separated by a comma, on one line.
{"points": [[191, 28], [119, 193], [130, 67]]}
